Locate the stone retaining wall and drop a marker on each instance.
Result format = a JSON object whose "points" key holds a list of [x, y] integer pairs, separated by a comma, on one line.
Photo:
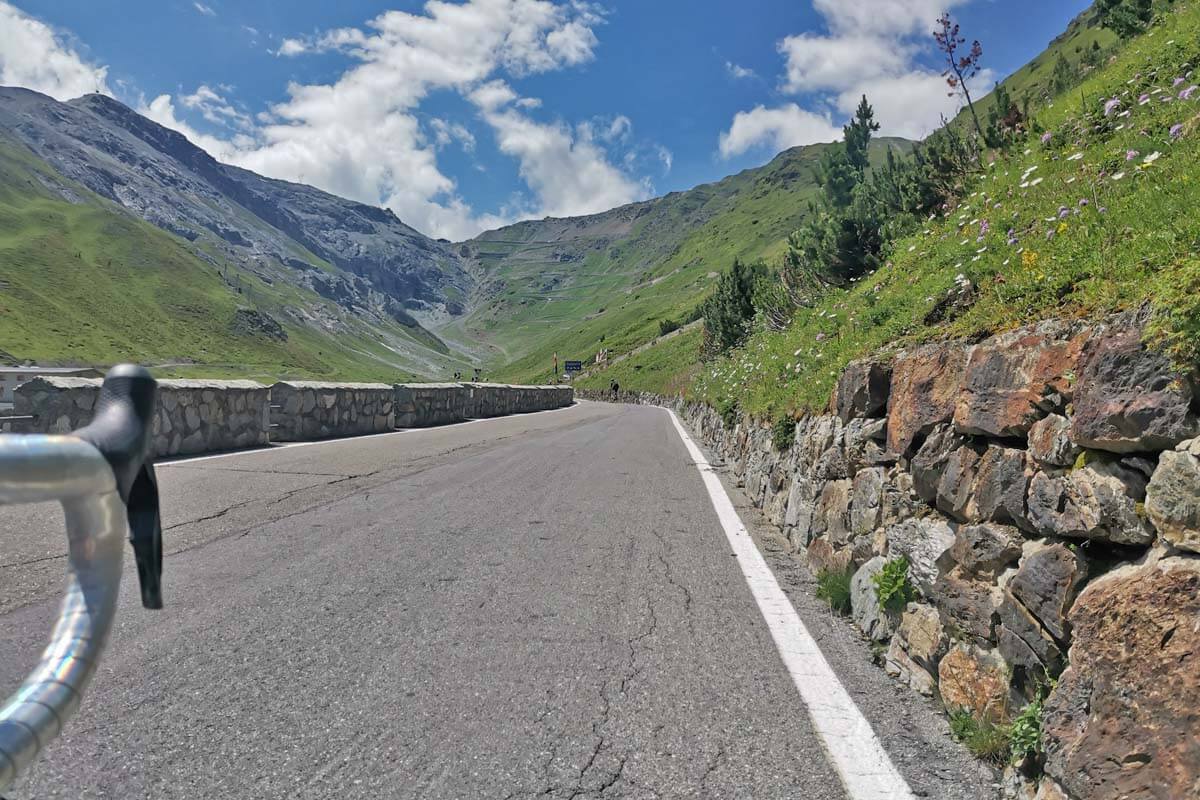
{"points": [[304, 410], [192, 416], [1044, 487]]}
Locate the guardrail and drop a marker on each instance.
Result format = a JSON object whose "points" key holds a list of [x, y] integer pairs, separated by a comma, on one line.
{"points": [[105, 483]]}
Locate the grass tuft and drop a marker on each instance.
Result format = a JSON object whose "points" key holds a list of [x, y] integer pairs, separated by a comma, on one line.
{"points": [[833, 587]]}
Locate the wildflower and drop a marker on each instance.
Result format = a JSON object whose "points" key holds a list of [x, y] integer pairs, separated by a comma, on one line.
{"points": [[1012, 237], [1063, 212], [1102, 210], [1118, 175], [984, 227], [1130, 155], [1071, 179], [1062, 227], [1049, 234], [1083, 202], [1035, 181], [1177, 81], [1143, 100], [1046, 137], [911, 248], [1187, 93], [1075, 157], [1176, 131], [1029, 258], [820, 337], [1150, 159], [1111, 106]]}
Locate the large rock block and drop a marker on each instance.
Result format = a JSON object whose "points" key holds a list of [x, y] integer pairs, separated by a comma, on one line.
{"points": [[1122, 721], [873, 621], [1173, 496], [925, 387], [968, 605], [1013, 379], [866, 500], [862, 390], [923, 542], [832, 517], [1128, 399], [986, 550], [976, 680], [1098, 501], [1050, 442]]}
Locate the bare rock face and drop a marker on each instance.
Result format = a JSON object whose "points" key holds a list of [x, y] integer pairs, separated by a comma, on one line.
{"points": [[1122, 721], [832, 516], [862, 390], [925, 389], [976, 680], [1034, 632], [1098, 501], [1173, 496], [1050, 442], [1129, 400], [1013, 379], [1001, 483]]}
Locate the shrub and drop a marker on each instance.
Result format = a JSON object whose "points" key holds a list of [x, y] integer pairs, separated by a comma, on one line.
{"points": [[834, 588], [783, 433], [1025, 733], [665, 326], [728, 409], [984, 738], [892, 586]]}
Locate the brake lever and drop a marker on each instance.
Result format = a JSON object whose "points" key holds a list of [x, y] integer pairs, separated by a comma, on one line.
{"points": [[145, 535]]}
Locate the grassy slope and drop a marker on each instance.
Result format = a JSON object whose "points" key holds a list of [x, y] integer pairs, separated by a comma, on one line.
{"points": [[86, 283], [621, 285], [1142, 246]]}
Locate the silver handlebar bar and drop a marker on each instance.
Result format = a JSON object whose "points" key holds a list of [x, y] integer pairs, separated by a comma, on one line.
{"points": [[107, 489], [37, 468]]}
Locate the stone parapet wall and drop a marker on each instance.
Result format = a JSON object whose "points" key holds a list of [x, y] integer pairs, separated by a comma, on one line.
{"points": [[1043, 486], [419, 405], [304, 410], [192, 416]]}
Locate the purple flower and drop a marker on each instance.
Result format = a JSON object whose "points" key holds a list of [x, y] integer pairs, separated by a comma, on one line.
{"points": [[1102, 210], [1083, 202], [1187, 93], [1063, 212], [820, 337], [1012, 237], [1145, 98], [1046, 137], [1177, 81], [1176, 131], [1111, 106], [1130, 155], [984, 227]]}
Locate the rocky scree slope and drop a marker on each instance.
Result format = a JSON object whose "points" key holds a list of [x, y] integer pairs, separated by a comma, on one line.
{"points": [[361, 257]]}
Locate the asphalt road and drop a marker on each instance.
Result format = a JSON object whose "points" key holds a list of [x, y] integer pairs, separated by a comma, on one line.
{"points": [[536, 606]]}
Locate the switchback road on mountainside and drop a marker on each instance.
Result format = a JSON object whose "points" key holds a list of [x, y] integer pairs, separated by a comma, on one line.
{"points": [[545, 605]]}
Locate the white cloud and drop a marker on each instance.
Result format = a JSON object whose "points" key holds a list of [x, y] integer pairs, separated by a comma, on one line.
{"points": [[871, 48], [205, 10], [569, 172], [738, 71], [446, 132], [781, 128], [35, 56], [666, 157], [360, 136]]}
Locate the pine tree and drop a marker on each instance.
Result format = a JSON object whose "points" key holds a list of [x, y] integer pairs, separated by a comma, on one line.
{"points": [[1125, 18]]}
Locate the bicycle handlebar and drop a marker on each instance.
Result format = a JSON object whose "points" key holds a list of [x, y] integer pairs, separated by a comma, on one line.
{"points": [[105, 483]]}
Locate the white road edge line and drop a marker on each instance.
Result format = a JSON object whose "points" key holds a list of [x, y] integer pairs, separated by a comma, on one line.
{"points": [[290, 445], [852, 746]]}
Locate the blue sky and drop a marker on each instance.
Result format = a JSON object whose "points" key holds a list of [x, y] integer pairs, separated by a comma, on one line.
{"points": [[466, 114]]}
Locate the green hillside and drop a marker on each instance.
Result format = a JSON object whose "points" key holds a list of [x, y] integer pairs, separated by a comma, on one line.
{"points": [[1097, 216], [84, 278], [574, 286]]}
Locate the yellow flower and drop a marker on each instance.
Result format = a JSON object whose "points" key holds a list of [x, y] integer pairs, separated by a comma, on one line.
{"points": [[1062, 227], [1029, 258]]}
